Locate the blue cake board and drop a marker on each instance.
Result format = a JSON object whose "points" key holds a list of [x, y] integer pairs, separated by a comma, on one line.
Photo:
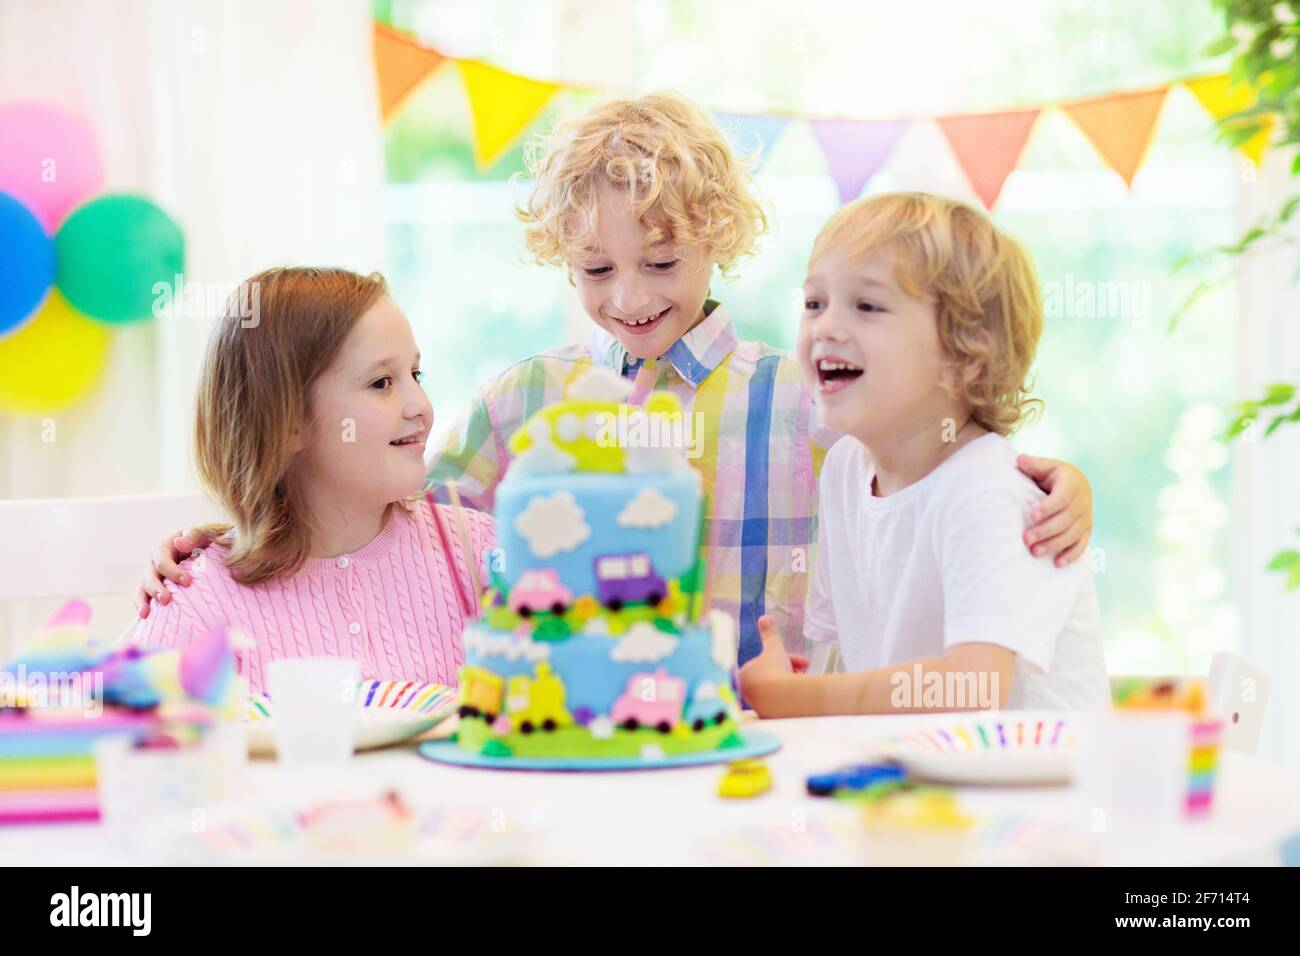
{"points": [[757, 743]]}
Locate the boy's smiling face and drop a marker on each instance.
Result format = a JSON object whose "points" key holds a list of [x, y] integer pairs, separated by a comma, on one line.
{"points": [[870, 351], [647, 298]]}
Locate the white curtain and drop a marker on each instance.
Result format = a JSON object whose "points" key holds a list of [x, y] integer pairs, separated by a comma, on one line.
{"points": [[255, 124], [1266, 477]]}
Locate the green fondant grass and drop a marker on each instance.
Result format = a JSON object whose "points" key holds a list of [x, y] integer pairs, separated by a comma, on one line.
{"points": [[574, 741]]}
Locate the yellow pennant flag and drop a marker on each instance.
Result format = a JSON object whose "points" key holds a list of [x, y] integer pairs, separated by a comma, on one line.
{"points": [[1119, 126], [502, 105], [1221, 97], [401, 64]]}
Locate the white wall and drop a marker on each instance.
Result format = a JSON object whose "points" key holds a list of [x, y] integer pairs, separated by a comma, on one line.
{"points": [[255, 124]]}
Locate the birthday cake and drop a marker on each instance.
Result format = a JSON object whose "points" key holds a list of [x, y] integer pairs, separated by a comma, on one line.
{"points": [[594, 641]]}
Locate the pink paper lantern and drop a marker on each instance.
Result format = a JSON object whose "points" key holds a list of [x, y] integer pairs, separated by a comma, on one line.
{"points": [[49, 159]]}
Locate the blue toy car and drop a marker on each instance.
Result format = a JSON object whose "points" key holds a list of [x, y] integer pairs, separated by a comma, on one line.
{"points": [[857, 777]]}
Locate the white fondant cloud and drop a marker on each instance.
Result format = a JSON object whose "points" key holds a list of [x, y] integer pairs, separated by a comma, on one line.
{"points": [[602, 728], [554, 524], [643, 644], [544, 459], [651, 508], [723, 631], [602, 385]]}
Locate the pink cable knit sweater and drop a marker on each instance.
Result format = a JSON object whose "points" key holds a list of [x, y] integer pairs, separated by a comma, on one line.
{"points": [[396, 606]]}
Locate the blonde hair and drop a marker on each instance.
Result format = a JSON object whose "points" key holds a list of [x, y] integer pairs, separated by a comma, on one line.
{"points": [[684, 180], [254, 405], [982, 282]]}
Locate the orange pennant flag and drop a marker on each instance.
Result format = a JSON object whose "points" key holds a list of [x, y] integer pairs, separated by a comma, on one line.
{"points": [[988, 146], [1119, 126], [502, 105], [401, 64], [1221, 97]]}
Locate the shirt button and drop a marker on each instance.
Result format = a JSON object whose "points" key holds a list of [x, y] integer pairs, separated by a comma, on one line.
{"points": [[354, 628], [343, 562]]}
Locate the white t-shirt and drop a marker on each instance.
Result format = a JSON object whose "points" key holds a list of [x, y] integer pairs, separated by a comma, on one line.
{"points": [[943, 562]]}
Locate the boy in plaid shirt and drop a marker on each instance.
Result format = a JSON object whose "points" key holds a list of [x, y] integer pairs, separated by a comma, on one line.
{"points": [[640, 200]]}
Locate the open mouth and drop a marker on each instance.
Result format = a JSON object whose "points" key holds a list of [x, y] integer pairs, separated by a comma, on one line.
{"points": [[409, 440], [834, 374], [645, 323]]}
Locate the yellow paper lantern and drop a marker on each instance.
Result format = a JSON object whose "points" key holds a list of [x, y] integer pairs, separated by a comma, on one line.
{"points": [[53, 360]]}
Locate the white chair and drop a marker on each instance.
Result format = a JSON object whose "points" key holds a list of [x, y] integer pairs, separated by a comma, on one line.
{"points": [[1237, 690], [85, 547]]}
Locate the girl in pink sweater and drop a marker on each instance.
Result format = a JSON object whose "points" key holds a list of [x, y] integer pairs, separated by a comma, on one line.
{"points": [[310, 432]]}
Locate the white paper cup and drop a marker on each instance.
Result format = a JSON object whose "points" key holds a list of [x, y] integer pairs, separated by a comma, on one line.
{"points": [[1132, 770], [313, 708]]}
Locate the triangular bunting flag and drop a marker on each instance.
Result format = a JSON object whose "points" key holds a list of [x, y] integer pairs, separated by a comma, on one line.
{"points": [[856, 149], [751, 133], [988, 146], [401, 63], [1221, 98], [1119, 126], [502, 105]]}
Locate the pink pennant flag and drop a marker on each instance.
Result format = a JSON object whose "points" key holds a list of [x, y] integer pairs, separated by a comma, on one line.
{"points": [[988, 146], [856, 149]]}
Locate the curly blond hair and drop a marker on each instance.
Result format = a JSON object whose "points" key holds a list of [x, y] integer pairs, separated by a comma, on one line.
{"points": [[981, 281], [681, 175]]}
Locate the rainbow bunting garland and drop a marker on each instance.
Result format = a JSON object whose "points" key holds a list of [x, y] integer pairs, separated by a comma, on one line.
{"points": [[986, 146]]}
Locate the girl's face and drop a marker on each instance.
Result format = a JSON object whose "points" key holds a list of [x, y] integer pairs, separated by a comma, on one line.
{"points": [[870, 352], [370, 416], [647, 298]]}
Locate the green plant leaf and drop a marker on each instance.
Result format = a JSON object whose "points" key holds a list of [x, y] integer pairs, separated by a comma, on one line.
{"points": [[1272, 426], [1279, 393], [1222, 45], [1284, 559]]}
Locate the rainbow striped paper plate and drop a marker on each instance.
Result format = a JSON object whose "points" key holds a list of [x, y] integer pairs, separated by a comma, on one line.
{"points": [[388, 712], [1011, 747]]}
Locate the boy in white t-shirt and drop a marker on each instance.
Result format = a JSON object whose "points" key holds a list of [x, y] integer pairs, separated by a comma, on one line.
{"points": [[920, 324]]}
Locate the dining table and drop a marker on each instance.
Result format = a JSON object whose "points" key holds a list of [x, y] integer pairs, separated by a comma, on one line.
{"points": [[677, 816]]}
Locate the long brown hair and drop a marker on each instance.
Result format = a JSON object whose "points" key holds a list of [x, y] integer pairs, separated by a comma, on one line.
{"points": [[281, 330]]}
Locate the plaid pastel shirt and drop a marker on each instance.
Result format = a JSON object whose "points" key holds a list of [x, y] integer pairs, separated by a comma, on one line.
{"points": [[762, 452]]}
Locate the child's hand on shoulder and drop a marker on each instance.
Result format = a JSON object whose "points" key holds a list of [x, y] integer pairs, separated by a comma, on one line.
{"points": [[764, 673], [1062, 522]]}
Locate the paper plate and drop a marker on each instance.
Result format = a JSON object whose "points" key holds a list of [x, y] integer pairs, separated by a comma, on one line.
{"points": [[388, 712], [756, 744], [1007, 748]]}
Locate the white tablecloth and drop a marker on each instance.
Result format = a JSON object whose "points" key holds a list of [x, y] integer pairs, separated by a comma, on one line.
{"points": [[675, 816]]}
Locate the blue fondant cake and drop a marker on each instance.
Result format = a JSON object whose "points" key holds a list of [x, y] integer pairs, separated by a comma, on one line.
{"points": [[594, 642]]}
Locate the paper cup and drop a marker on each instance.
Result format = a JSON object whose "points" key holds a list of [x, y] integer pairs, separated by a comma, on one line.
{"points": [[313, 708]]}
